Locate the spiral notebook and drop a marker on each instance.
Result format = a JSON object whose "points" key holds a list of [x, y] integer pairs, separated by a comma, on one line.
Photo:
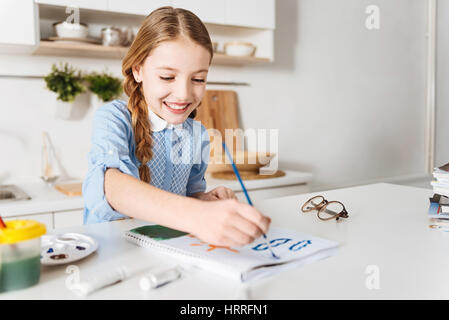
{"points": [[245, 263]]}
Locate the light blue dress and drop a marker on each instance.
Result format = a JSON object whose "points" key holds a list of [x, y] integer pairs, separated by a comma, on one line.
{"points": [[178, 165]]}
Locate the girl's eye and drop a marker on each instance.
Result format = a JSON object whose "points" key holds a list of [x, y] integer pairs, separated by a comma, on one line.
{"points": [[171, 78]]}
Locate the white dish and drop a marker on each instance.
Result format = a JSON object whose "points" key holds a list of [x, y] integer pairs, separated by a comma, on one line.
{"points": [[65, 248], [239, 49], [70, 30]]}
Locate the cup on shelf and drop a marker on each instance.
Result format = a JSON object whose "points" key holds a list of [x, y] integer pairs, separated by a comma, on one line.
{"points": [[215, 46], [127, 36], [111, 36], [239, 49]]}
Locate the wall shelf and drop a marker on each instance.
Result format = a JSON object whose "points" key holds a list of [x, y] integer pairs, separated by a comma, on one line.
{"points": [[89, 50]]}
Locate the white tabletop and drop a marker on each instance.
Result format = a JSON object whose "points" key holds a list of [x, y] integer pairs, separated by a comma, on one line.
{"points": [[387, 229]]}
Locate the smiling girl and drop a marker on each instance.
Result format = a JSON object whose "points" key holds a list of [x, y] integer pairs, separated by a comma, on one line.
{"points": [[132, 168]]}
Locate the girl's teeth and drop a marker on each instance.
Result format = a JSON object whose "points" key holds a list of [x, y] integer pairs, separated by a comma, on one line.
{"points": [[176, 107]]}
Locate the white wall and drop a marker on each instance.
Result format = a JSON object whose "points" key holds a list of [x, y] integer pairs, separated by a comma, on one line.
{"points": [[442, 92], [349, 103]]}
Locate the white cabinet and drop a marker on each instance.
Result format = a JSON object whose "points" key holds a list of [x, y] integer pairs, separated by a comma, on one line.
{"points": [[19, 24], [53, 220], [84, 4], [138, 7], [69, 218], [212, 11], [45, 218], [250, 13]]}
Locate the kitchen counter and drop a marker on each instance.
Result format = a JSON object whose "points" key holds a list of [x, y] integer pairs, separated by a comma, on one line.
{"points": [[43, 199], [290, 178]]}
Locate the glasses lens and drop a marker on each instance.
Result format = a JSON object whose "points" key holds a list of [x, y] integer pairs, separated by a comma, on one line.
{"points": [[312, 204], [331, 210]]}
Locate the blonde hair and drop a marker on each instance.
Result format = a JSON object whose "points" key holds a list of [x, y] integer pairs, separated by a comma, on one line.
{"points": [[163, 24]]}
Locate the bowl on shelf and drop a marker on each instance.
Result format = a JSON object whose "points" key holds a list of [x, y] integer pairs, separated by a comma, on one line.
{"points": [[64, 29], [239, 49], [244, 161]]}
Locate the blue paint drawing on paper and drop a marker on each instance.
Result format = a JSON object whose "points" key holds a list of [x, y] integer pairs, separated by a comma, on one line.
{"points": [[281, 241]]}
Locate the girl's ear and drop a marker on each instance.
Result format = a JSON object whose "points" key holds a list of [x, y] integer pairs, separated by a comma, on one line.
{"points": [[137, 73]]}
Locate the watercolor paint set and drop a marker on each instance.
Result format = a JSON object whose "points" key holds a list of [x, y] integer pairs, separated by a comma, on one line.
{"points": [[65, 248]]}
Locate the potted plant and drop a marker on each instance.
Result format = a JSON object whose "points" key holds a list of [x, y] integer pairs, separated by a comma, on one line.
{"points": [[104, 87], [67, 83]]}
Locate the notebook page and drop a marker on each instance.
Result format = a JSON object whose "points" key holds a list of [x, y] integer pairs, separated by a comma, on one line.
{"points": [[253, 260]]}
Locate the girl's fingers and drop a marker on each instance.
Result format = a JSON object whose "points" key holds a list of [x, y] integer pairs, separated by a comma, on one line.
{"points": [[221, 192], [247, 227], [252, 214], [236, 237], [231, 194]]}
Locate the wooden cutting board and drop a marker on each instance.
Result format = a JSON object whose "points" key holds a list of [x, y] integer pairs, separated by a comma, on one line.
{"points": [[246, 175], [70, 189], [219, 110]]}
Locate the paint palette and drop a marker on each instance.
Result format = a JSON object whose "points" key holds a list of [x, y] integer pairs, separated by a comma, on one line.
{"points": [[65, 248]]}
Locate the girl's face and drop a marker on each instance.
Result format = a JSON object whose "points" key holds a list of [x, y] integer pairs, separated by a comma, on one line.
{"points": [[174, 78]]}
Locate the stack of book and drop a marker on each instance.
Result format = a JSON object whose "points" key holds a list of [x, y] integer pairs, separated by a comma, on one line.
{"points": [[439, 203]]}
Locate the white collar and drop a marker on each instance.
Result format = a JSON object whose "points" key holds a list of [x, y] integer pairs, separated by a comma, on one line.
{"points": [[159, 124]]}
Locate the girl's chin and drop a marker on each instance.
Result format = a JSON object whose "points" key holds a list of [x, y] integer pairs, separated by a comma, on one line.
{"points": [[176, 118]]}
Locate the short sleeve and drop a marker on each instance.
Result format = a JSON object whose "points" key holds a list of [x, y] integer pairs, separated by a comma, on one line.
{"points": [[111, 132], [201, 147]]}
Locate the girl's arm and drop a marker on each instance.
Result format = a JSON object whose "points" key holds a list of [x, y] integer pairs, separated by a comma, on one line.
{"points": [[223, 222]]}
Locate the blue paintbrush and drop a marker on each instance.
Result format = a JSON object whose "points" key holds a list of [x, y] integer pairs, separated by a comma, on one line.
{"points": [[246, 193]]}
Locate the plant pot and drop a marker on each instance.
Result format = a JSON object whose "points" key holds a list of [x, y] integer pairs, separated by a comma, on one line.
{"points": [[63, 109], [75, 110], [95, 102]]}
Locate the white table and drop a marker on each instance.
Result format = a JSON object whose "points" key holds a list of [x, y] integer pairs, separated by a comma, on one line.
{"points": [[387, 228]]}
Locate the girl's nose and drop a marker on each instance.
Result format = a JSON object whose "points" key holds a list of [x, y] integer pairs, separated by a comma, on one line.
{"points": [[183, 91]]}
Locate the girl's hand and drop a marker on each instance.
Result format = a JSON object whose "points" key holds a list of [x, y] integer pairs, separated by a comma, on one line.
{"points": [[219, 193], [229, 223]]}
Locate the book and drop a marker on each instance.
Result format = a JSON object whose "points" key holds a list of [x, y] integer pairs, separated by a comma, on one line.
{"points": [[250, 262], [441, 191], [435, 211]]}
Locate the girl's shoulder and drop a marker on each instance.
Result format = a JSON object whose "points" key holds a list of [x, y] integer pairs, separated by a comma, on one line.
{"points": [[114, 110]]}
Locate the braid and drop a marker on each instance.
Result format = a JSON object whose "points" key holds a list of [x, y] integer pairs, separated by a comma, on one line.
{"points": [[141, 125]]}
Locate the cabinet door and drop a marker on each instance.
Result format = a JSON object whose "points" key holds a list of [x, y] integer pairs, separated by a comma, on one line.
{"points": [[19, 22], [45, 218], [69, 218], [250, 13], [84, 4], [139, 7], [209, 11]]}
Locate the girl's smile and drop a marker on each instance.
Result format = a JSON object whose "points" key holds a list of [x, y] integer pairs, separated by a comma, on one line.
{"points": [[177, 108]]}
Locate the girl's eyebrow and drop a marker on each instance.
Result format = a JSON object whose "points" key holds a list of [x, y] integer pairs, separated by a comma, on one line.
{"points": [[173, 69]]}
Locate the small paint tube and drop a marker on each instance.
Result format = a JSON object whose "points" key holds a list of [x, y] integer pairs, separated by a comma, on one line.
{"points": [[154, 280]]}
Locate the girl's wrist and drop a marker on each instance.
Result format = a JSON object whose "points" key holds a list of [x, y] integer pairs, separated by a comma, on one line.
{"points": [[195, 211]]}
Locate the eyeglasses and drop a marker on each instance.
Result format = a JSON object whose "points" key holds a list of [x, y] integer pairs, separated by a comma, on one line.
{"points": [[327, 210]]}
